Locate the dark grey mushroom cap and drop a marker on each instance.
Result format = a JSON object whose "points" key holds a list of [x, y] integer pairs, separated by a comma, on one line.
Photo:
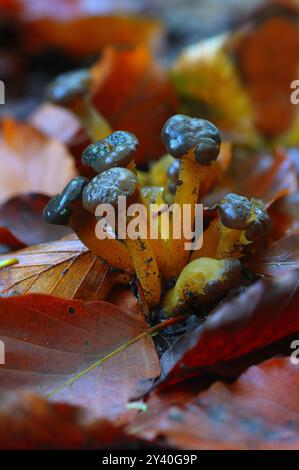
{"points": [[107, 187], [68, 86], [234, 211], [260, 224], [237, 212], [58, 209], [115, 150], [182, 133]]}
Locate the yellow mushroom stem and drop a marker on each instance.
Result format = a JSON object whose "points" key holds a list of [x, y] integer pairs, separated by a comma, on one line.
{"points": [[221, 242], [146, 268], [202, 280], [210, 243], [187, 192], [149, 196], [231, 242], [110, 250], [93, 122]]}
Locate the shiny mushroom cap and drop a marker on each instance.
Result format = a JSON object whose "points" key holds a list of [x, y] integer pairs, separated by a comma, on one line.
{"points": [[58, 209], [68, 87], [238, 212], [107, 187], [182, 134], [115, 150]]}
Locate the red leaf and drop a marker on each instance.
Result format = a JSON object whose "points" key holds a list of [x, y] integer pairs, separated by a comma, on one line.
{"points": [[23, 216], [49, 340], [261, 175], [279, 258], [264, 313], [259, 411]]}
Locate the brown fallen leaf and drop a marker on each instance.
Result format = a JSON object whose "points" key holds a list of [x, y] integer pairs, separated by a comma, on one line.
{"points": [[129, 84], [64, 268], [23, 217], [259, 411], [49, 340], [253, 67], [60, 124], [32, 161], [276, 260], [258, 174], [265, 312], [28, 422], [273, 32], [55, 122], [285, 216]]}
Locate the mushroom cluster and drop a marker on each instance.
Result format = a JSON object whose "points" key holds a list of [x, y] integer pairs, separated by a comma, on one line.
{"points": [[155, 264]]}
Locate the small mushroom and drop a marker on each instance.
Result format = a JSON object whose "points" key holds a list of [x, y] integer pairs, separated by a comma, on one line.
{"points": [[106, 188], [202, 280], [66, 209], [115, 150], [150, 196], [71, 90], [196, 142], [242, 222]]}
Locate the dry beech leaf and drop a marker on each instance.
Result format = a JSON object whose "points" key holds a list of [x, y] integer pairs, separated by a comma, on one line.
{"points": [[129, 84], [285, 216], [253, 68], [60, 124], [64, 268], [55, 122], [23, 217], [49, 340], [265, 312], [32, 161], [278, 259], [272, 33], [258, 174], [258, 411], [29, 422]]}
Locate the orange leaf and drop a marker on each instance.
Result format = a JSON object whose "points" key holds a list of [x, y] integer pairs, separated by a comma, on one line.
{"points": [[32, 161], [64, 268], [129, 84]]}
